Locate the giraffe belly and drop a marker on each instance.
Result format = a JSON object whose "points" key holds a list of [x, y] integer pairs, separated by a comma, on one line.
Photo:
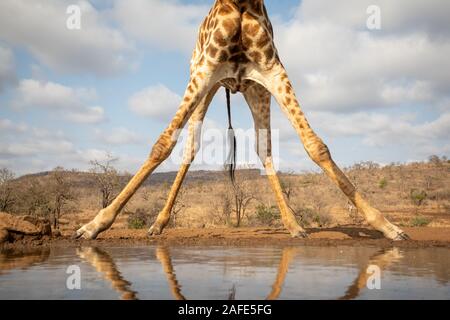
{"points": [[234, 85]]}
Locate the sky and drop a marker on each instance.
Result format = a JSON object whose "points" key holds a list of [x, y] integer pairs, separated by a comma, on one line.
{"points": [[69, 96]]}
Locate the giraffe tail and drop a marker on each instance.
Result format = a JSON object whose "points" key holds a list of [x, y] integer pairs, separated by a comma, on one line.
{"points": [[230, 164]]}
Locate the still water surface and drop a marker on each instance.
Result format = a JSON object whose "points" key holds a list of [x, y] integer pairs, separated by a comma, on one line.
{"points": [[156, 272]]}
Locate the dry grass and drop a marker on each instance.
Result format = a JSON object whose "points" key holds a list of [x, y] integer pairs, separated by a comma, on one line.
{"points": [[415, 194]]}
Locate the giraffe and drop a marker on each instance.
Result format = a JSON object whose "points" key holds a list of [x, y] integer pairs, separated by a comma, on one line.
{"points": [[235, 49]]}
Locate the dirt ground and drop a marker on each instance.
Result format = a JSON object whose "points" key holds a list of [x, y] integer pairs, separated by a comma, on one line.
{"points": [[342, 235]]}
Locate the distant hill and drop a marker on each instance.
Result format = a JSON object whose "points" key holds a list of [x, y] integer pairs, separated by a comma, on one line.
{"points": [[86, 179]]}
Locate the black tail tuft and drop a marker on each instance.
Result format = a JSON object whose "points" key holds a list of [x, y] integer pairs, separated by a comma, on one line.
{"points": [[231, 161]]}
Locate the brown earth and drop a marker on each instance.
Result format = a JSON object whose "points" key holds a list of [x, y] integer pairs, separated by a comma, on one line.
{"points": [[342, 235]]}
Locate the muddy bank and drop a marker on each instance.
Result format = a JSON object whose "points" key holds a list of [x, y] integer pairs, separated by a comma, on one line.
{"points": [[343, 235]]}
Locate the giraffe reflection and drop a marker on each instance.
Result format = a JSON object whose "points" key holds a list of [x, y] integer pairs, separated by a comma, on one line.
{"points": [[104, 264], [163, 255], [382, 259], [286, 258]]}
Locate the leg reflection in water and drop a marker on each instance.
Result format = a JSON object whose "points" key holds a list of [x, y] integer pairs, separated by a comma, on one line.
{"points": [[382, 259], [105, 265], [286, 258], [163, 255]]}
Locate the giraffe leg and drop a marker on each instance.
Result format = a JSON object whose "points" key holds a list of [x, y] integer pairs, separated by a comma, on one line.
{"points": [[277, 82], [163, 255], [258, 98], [191, 148], [382, 259], [286, 259], [104, 264], [199, 85]]}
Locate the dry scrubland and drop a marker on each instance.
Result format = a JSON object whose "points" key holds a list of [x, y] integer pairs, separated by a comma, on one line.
{"points": [[416, 194]]}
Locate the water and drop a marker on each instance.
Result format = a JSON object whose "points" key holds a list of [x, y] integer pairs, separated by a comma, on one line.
{"points": [[156, 272]]}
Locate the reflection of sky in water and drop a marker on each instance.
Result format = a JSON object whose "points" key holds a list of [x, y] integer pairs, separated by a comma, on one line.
{"points": [[212, 272]]}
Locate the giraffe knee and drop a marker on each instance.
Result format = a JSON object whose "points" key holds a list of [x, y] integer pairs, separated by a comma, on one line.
{"points": [[317, 150], [161, 149]]}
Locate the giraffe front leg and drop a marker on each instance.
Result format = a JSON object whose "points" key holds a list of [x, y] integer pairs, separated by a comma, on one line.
{"points": [[199, 84], [258, 99], [279, 85], [191, 148], [163, 217]]}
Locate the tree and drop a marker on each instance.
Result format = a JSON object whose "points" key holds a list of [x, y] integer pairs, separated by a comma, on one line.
{"points": [[35, 198], [7, 197], [241, 196], [106, 178], [60, 193], [435, 160]]}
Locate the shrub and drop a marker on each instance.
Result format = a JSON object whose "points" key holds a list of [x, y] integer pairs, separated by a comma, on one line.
{"points": [[320, 220], [417, 196], [419, 221], [266, 215], [304, 214], [382, 183], [136, 223], [138, 219]]}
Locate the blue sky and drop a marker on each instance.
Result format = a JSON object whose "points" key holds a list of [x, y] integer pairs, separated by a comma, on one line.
{"points": [[70, 96]]}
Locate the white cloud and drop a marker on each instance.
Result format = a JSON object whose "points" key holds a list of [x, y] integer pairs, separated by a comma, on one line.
{"points": [[381, 130], [396, 16], [118, 136], [7, 68], [40, 27], [29, 148], [33, 149], [419, 91], [69, 102], [9, 126], [162, 24], [31, 141], [46, 94], [337, 64], [124, 162], [158, 102], [88, 115], [91, 154]]}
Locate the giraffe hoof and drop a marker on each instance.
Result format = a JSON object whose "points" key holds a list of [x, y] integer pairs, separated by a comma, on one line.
{"points": [[85, 232], [155, 230], [299, 234], [402, 236], [75, 235]]}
